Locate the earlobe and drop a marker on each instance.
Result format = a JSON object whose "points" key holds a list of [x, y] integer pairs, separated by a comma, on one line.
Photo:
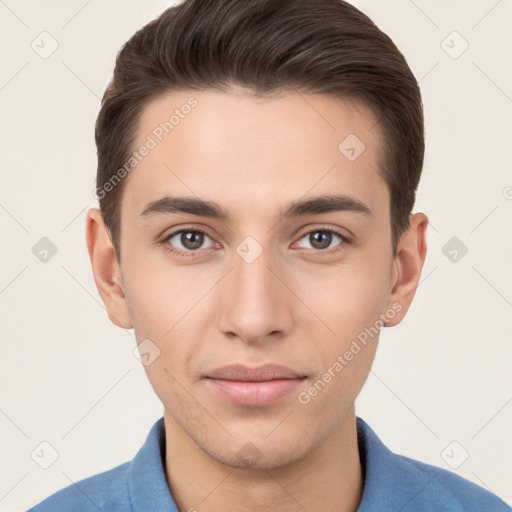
{"points": [[409, 260], [106, 270]]}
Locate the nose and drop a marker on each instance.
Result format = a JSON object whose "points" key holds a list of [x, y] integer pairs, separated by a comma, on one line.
{"points": [[255, 303]]}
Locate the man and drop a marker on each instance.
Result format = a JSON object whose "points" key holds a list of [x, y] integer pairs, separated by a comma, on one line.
{"points": [[257, 169]]}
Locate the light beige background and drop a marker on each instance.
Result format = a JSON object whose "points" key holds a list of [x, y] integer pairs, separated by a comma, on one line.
{"points": [[69, 376]]}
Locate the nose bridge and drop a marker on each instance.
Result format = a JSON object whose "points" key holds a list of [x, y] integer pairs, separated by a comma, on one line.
{"points": [[251, 268], [254, 305]]}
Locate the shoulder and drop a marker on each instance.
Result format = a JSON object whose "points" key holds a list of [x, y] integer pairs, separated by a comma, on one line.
{"points": [[105, 491], [444, 490], [137, 484], [397, 482]]}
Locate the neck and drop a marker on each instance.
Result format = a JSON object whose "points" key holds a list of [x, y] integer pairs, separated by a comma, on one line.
{"points": [[328, 478]]}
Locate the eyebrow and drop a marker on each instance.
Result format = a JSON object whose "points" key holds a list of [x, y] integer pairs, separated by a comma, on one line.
{"points": [[201, 207]]}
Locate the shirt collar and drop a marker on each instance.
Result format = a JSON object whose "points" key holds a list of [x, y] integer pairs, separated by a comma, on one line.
{"points": [[389, 482], [147, 482], [392, 481]]}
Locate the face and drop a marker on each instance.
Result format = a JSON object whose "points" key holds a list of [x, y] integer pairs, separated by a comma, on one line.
{"points": [[263, 283]]}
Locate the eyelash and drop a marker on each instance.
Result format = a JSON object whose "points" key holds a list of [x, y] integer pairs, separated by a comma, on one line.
{"points": [[344, 241]]}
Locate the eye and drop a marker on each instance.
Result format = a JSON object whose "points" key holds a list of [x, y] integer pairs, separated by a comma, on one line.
{"points": [[321, 239], [191, 241]]}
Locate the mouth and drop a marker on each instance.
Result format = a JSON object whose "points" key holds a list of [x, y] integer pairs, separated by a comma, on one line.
{"points": [[242, 373], [254, 387]]}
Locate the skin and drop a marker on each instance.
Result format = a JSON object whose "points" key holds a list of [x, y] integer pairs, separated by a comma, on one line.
{"points": [[296, 305]]}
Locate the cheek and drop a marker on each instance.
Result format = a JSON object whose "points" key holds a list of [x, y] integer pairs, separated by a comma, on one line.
{"points": [[345, 360], [351, 298], [166, 326], [159, 297], [169, 369], [351, 306]]}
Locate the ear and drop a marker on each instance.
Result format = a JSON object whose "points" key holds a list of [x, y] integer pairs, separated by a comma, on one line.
{"points": [[106, 269], [409, 260]]}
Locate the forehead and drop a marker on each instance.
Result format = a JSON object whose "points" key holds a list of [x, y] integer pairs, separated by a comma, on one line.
{"points": [[248, 151]]}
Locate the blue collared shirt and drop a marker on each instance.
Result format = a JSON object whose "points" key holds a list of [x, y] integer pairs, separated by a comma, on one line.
{"points": [[392, 483]]}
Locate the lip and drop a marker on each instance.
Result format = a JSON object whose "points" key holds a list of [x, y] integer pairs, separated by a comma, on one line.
{"points": [[242, 373], [254, 387]]}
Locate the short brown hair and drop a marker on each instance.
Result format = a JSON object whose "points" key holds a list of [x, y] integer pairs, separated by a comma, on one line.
{"points": [[267, 46]]}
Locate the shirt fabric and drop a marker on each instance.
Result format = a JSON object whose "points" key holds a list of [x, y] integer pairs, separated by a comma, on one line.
{"points": [[392, 483]]}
